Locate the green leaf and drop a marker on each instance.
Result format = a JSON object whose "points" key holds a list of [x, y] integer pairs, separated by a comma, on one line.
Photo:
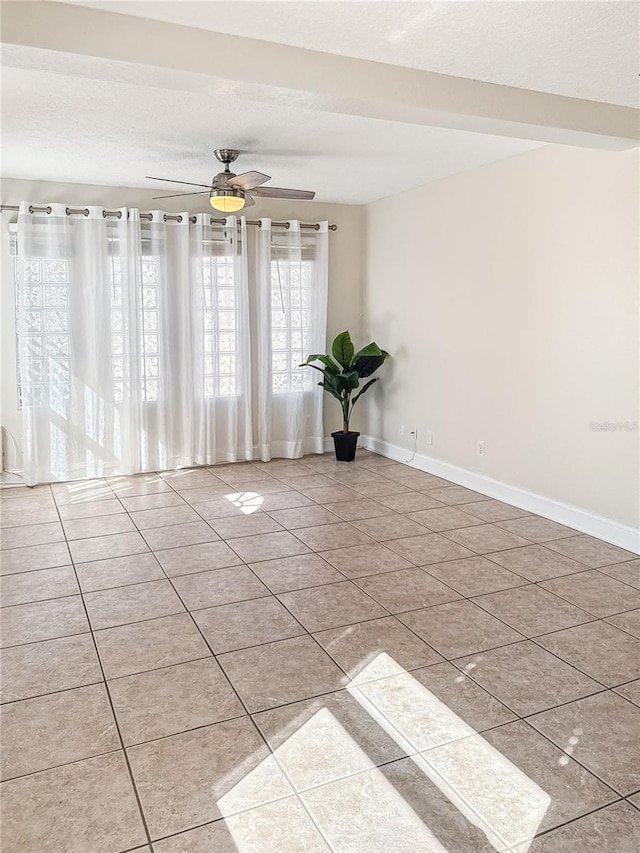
{"points": [[330, 364], [368, 385], [315, 367], [370, 349], [348, 381], [330, 383], [325, 359], [368, 364], [333, 391], [342, 349]]}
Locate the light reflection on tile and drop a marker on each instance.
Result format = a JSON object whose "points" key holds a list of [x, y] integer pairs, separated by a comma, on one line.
{"points": [[491, 792], [482, 777], [274, 828], [365, 812], [511, 803], [323, 739]]}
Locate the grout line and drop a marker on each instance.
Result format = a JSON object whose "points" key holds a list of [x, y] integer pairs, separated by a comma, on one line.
{"points": [[308, 633], [45, 639], [568, 600], [572, 757], [113, 713], [244, 706], [624, 630], [300, 701], [542, 833], [117, 749], [355, 581]]}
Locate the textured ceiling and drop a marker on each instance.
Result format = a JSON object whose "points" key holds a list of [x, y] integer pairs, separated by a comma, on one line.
{"points": [[76, 127], [74, 117], [583, 50]]}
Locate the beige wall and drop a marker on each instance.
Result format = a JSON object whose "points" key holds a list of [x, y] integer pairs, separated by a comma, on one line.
{"points": [[345, 263], [508, 297]]}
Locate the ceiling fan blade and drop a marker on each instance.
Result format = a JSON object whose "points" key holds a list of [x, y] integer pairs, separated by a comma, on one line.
{"points": [[176, 195], [172, 181], [248, 201], [249, 180], [279, 192]]}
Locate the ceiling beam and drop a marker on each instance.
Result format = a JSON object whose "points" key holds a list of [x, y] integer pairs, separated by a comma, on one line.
{"points": [[288, 76]]}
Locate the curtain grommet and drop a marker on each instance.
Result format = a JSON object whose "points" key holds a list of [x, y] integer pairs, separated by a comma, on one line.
{"points": [[49, 208], [30, 208], [164, 216], [287, 225], [180, 217], [317, 227], [67, 210], [119, 214], [151, 217]]}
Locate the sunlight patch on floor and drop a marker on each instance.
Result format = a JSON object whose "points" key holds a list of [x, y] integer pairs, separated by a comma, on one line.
{"points": [[353, 805], [246, 502]]}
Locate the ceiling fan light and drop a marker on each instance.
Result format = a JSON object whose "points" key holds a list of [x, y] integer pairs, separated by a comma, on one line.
{"points": [[227, 201]]}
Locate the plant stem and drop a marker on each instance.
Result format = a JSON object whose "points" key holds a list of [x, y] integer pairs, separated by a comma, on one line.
{"points": [[345, 413]]}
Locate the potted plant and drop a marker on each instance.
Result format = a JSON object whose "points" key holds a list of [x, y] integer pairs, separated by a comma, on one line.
{"points": [[341, 377]]}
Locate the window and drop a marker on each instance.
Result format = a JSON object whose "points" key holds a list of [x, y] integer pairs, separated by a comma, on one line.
{"points": [[45, 325], [148, 307], [220, 327], [45, 322], [42, 287], [291, 295]]}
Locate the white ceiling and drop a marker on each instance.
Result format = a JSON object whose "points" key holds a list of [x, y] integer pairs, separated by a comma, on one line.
{"points": [[586, 50], [82, 119], [79, 129]]}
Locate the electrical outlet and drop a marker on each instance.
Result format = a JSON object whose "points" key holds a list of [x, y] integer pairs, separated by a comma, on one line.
{"points": [[414, 433], [482, 449], [430, 437], [402, 429]]}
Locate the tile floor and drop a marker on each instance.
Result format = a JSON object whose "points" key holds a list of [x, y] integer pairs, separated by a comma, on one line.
{"points": [[309, 656]]}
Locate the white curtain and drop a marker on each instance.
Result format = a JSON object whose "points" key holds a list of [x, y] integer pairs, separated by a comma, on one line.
{"points": [[133, 343], [221, 352], [292, 283]]}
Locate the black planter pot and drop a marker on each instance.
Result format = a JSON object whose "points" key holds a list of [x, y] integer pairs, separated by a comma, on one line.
{"points": [[345, 444]]}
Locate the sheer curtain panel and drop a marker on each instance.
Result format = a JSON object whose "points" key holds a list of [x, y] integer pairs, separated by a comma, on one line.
{"points": [[292, 281], [132, 343], [221, 357], [75, 421]]}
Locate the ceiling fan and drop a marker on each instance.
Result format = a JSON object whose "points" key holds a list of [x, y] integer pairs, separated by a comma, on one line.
{"points": [[229, 192]]}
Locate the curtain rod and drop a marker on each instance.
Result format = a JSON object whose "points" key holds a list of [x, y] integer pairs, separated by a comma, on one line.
{"points": [[84, 211]]}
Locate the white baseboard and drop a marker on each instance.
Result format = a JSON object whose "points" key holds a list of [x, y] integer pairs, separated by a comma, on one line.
{"points": [[607, 529]]}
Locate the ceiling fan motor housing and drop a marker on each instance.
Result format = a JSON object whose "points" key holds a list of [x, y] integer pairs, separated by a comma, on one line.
{"points": [[221, 181], [226, 155]]}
